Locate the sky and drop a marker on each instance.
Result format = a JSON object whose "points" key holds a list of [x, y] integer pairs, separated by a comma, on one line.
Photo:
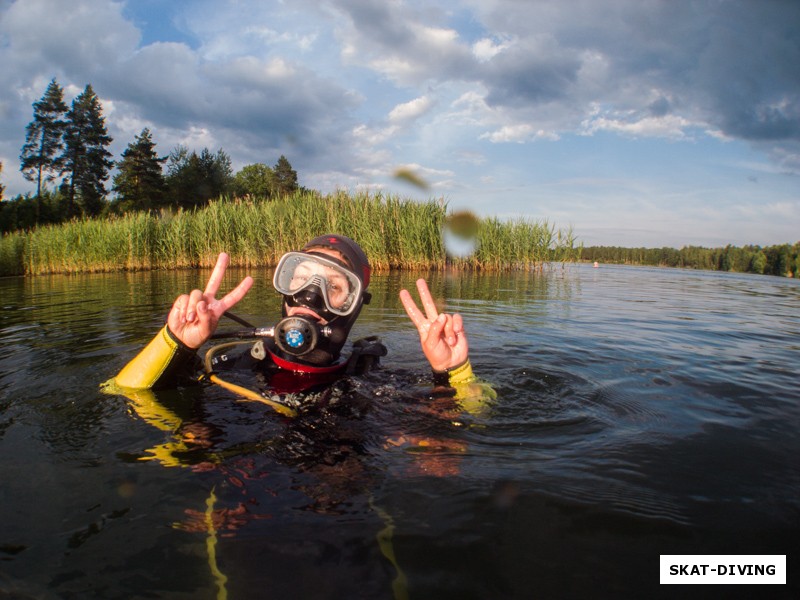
{"points": [[633, 122]]}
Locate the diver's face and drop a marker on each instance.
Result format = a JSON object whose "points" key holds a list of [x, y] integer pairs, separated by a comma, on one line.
{"points": [[338, 287], [336, 284]]}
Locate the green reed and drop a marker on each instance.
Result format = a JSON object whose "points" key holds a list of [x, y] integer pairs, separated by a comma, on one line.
{"points": [[395, 233]]}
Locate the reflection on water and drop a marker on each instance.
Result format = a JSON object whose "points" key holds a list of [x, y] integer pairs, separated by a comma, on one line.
{"points": [[640, 412]]}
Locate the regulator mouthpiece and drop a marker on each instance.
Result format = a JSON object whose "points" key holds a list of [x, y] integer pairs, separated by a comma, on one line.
{"points": [[298, 336]]}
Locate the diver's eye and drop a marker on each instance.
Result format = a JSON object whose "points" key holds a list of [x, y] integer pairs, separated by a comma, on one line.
{"points": [[298, 281]]}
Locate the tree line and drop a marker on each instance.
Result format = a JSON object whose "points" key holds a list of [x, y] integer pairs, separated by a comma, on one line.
{"points": [[783, 260], [68, 146]]}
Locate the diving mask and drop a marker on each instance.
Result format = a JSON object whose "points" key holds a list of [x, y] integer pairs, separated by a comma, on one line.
{"points": [[339, 287]]}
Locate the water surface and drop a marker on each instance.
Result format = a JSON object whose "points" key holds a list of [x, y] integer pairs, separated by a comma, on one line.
{"points": [[639, 412]]}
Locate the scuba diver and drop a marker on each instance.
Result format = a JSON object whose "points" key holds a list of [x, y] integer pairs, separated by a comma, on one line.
{"points": [[324, 287], [301, 365]]}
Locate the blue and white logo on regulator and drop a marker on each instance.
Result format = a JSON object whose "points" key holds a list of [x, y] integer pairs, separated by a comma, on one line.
{"points": [[295, 338]]}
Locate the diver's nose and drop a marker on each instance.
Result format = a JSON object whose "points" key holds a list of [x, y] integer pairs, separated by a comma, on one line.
{"points": [[310, 297]]}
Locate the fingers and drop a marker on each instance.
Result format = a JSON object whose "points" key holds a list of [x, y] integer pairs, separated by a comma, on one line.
{"points": [[185, 308], [194, 316], [446, 327], [443, 339], [217, 274], [231, 298], [177, 316], [458, 324], [435, 332], [427, 300], [449, 333], [218, 307], [414, 313], [191, 308], [411, 309], [431, 325], [205, 318]]}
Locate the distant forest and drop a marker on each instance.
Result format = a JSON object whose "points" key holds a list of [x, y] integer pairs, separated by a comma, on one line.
{"points": [[782, 260]]}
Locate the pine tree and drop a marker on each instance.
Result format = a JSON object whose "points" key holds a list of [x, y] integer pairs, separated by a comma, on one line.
{"points": [[193, 180], [86, 158], [285, 177], [216, 172], [182, 173], [41, 158], [140, 182]]}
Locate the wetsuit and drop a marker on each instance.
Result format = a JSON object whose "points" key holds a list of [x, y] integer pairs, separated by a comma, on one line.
{"points": [[166, 362]]}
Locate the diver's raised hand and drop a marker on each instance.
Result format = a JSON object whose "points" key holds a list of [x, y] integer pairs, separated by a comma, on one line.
{"points": [[194, 316], [443, 339]]}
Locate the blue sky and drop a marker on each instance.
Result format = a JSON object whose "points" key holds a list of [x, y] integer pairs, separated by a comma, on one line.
{"points": [[635, 122]]}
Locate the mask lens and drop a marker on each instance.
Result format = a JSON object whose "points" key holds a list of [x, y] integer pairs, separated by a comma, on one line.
{"points": [[340, 288]]}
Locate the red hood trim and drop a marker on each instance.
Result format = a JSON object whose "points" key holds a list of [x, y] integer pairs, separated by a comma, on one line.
{"points": [[310, 369]]}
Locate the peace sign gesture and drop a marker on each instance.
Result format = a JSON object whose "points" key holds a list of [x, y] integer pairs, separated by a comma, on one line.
{"points": [[194, 316], [443, 339]]}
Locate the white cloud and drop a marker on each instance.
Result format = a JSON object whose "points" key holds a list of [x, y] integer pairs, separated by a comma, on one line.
{"points": [[485, 49], [471, 106], [251, 71], [669, 126], [304, 42], [436, 37], [198, 137], [411, 110], [368, 136], [397, 68], [519, 133]]}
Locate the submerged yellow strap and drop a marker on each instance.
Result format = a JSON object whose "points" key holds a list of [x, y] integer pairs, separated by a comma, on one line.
{"points": [[386, 546], [211, 548], [251, 395], [238, 389], [145, 369]]}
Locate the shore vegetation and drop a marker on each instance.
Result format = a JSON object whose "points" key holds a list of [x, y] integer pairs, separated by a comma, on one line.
{"points": [[395, 233], [782, 259]]}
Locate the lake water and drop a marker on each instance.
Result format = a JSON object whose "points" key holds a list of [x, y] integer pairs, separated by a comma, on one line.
{"points": [[639, 412]]}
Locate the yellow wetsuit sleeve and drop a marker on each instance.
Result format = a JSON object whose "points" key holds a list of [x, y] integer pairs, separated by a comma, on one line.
{"points": [[461, 374], [150, 365], [455, 376], [473, 395]]}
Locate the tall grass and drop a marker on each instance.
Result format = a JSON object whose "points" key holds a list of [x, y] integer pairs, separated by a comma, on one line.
{"points": [[395, 233]]}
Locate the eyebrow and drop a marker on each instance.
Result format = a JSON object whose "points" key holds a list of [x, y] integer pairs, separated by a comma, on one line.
{"points": [[338, 277]]}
